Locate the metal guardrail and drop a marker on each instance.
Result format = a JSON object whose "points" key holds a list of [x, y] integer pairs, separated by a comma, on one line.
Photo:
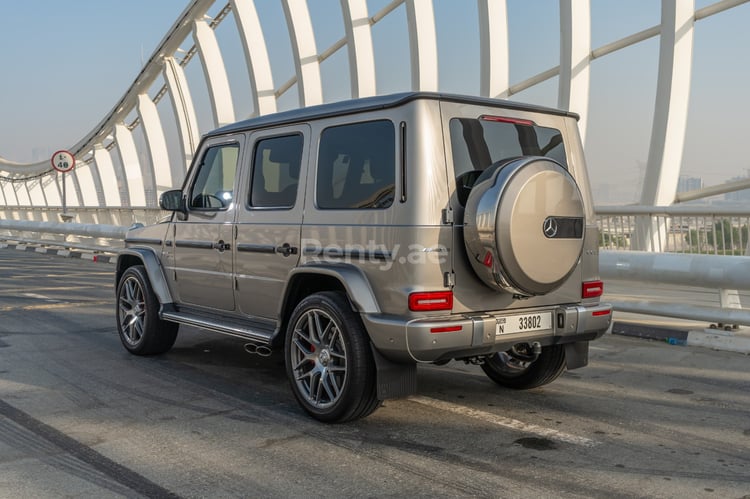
{"points": [[91, 237], [727, 274], [705, 268], [72, 229], [86, 215], [701, 247], [92, 229]]}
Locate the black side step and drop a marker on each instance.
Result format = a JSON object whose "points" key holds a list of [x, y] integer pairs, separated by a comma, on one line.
{"points": [[260, 336]]}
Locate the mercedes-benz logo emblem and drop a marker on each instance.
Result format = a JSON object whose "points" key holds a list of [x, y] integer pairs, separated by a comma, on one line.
{"points": [[550, 227]]}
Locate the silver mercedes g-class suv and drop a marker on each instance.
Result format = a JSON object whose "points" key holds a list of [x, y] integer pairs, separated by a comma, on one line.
{"points": [[367, 236]]}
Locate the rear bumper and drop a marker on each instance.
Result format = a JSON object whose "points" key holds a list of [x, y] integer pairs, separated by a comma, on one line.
{"points": [[436, 339]]}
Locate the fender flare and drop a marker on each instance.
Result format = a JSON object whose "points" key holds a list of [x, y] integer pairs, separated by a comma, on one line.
{"points": [[353, 280], [154, 270]]}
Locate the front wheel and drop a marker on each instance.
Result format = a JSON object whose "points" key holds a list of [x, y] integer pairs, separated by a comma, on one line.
{"points": [[510, 372], [141, 330], [328, 360]]}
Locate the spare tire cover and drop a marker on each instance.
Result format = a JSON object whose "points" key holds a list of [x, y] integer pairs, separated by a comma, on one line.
{"points": [[524, 226]]}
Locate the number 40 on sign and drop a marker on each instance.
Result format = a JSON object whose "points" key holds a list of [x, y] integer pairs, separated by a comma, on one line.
{"points": [[63, 161]]}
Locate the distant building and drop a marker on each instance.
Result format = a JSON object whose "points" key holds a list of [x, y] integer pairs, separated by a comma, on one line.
{"points": [[738, 196], [686, 183]]}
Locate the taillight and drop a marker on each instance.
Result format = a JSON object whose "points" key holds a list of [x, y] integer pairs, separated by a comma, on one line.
{"points": [[446, 329], [431, 301], [592, 289], [503, 119]]}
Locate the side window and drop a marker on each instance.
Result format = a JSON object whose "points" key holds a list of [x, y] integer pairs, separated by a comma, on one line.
{"points": [[276, 167], [357, 166], [213, 187]]}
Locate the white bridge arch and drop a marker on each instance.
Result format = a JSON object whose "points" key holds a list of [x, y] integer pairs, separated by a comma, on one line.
{"points": [[116, 171]]}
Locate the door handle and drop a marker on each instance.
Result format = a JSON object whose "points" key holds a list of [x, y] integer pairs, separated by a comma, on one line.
{"points": [[222, 246], [286, 249]]}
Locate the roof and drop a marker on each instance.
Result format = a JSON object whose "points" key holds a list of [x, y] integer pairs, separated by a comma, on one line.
{"points": [[353, 106]]}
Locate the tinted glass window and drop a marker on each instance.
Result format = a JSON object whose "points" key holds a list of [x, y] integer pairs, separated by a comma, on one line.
{"points": [[276, 168], [213, 187], [357, 166], [479, 143]]}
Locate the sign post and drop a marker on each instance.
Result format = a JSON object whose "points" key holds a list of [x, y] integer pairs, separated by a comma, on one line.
{"points": [[63, 161]]}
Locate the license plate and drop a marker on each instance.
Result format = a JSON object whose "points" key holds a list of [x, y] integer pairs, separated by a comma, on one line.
{"points": [[524, 322]]}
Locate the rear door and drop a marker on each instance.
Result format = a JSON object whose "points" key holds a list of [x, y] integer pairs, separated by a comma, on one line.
{"points": [[269, 218], [476, 138]]}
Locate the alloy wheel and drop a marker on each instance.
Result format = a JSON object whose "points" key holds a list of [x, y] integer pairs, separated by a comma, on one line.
{"points": [[318, 357], [132, 310]]}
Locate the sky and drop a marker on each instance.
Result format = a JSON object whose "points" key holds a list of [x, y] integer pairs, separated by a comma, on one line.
{"points": [[66, 64]]}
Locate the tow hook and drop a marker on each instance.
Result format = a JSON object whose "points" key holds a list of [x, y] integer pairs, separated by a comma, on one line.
{"points": [[261, 350], [526, 352]]}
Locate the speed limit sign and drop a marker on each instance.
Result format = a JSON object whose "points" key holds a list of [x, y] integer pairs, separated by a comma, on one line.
{"points": [[63, 161]]}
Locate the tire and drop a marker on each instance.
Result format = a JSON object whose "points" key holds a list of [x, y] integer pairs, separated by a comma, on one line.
{"points": [[328, 360], [511, 373], [141, 330]]}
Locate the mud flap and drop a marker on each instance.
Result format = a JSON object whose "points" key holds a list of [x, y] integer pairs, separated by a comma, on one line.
{"points": [[394, 380], [577, 354]]}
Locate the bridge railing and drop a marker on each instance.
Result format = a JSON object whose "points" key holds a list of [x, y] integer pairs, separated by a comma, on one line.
{"points": [[702, 271], [92, 229], [95, 215], [686, 229]]}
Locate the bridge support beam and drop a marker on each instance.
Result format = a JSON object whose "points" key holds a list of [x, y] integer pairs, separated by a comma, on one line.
{"points": [[107, 176], [10, 194], [494, 76], [157, 144], [215, 73], [423, 45], [136, 187], [670, 117], [575, 58], [306, 64], [22, 193], [256, 55], [97, 198], [359, 45], [51, 187], [73, 194], [184, 113], [36, 192]]}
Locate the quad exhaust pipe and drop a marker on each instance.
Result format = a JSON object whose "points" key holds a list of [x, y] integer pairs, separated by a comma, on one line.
{"points": [[262, 350]]}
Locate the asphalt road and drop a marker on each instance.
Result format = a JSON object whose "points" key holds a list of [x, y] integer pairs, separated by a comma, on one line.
{"points": [[80, 417]]}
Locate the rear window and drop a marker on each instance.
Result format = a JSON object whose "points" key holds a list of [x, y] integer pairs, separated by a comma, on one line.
{"points": [[480, 142], [357, 166]]}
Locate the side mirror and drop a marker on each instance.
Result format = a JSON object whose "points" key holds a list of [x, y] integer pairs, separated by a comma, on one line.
{"points": [[173, 201]]}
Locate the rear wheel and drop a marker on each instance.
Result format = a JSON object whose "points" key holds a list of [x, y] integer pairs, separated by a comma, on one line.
{"points": [[509, 371], [328, 360], [141, 330]]}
